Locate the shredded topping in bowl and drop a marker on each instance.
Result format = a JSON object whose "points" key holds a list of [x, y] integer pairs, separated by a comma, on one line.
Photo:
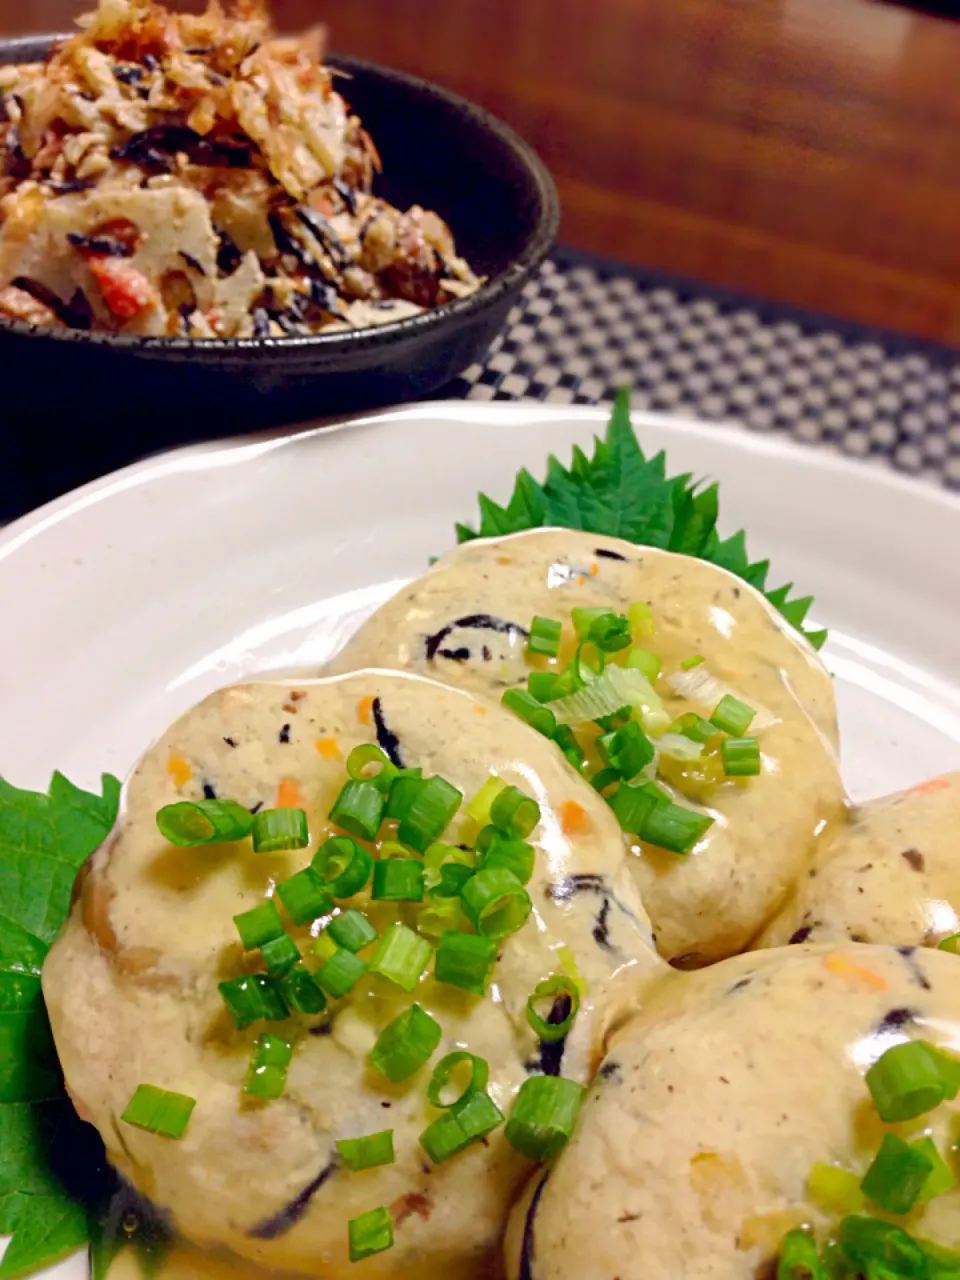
{"points": [[198, 175]]}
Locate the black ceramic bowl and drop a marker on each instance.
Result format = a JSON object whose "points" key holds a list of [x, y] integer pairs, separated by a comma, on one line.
{"points": [[438, 151]]}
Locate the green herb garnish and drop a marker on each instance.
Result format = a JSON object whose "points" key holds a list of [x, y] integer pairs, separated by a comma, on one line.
{"points": [[620, 493]]}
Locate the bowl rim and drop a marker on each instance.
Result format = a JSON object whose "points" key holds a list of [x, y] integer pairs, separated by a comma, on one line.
{"points": [[516, 272]]}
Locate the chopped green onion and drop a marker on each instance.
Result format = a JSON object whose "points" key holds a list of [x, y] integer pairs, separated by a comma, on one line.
{"points": [[280, 954], [741, 757], [511, 855], [643, 660], [689, 663], [695, 727], [470, 1119], [941, 1177], [439, 915], [610, 632], [453, 876], [368, 1152], [640, 617], [676, 746], [615, 721], [440, 855], [545, 636], [304, 897], [564, 999], [444, 1070], [301, 992], [798, 1258], [251, 997], [566, 740], [259, 925], [159, 1110], [464, 960], [431, 809], [352, 929], [532, 712], [674, 827], [398, 880], [276, 830], [616, 688], [358, 809], [495, 902], [324, 947], [870, 1242], [370, 1233], [733, 716], [401, 957], [541, 685], [543, 1116], [515, 812], [196, 822], [361, 758], [341, 973], [951, 944], [589, 662], [479, 807], [406, 1043], [583, 619], [834, 1190], [628, 750], [343, 866], [906, 1082], [631, 802], [402, 790], [267, 1074], [896, 1177], [945, 1262]]}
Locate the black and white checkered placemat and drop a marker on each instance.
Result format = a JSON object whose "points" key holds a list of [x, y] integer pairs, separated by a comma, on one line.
{"points": [[585, 327]]}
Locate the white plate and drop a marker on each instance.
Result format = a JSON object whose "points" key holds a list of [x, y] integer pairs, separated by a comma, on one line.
{"points": [[127, 601]]}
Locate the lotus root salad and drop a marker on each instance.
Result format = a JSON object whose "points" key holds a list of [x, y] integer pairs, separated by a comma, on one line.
{"points": [[533, 938], [199, 176]]}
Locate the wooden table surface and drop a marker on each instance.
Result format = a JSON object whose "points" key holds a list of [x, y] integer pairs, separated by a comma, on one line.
{"points": [[807, 150]]}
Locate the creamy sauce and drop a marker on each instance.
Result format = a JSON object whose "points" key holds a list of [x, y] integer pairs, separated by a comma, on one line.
{"points": [[699, 1134], [131, 984], [465, 621], [891, 873]]}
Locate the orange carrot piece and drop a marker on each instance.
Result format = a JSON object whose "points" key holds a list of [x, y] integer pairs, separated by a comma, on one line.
{"points": [[179, 770], [594, 569], [365, 709], [329, 748], [925, 788], [503, 560], [573, 818], [289, 795], [843, 967], [481, 711]]}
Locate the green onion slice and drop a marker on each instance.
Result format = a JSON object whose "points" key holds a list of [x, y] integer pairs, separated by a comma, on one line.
{"points": [[515, 812], [276, 830], [532, 712], [438, 916], [304, 896], [352, 930], [906, 1082], [197, 822], [631, 802], [368, 763], [897, 1175], [799, 1259], [564, 999], [677, 746], [510, 855], [301, 992], [470, 1119], [358, 809], [430, 809], [645, 661], [871, 1242], [640, 617], [402, 790], [267, 1073], [541, 685], [941, 1178], [732, 716], [628, 749], [280, 954], [544, 636], [674, 827], [341, 973], [401, 957], [741, 757], [370, 1233], [689, 663], [464, 960], [566, 740], [616, 688], [694, 727], [479, 807], [447, 1067], [159, 1111], [495, 902], [369, 1152], [343, 866], [439, 856], [259, 925], [406, 1043], [544, 1115], [398, 880], [951, 944]]}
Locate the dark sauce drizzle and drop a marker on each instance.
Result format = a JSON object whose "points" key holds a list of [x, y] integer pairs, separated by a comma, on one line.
{"points": [[472, 622], [895, 1020], [604, 554], [527, 1249], [387, 740], [913, 964], [290, 1214], [801, 934]]}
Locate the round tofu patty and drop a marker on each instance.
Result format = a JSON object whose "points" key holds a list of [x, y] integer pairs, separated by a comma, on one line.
{"points": [[132, 982]]}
